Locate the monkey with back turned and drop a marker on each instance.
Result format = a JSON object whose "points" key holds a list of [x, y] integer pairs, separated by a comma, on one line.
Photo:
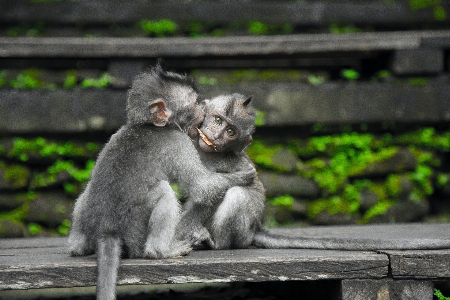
{"points": [[128, 207]]}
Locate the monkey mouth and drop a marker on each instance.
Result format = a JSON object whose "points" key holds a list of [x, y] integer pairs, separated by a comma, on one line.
{"points": [[205, 139]]}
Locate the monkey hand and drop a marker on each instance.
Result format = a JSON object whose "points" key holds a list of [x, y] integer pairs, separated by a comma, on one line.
{"points": [[156, 250], [245, 175], [192, 231]]}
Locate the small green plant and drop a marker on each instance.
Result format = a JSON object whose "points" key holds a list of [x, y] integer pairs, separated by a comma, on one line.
{"points": [[34, 228], [285, 201], [381, 75], [418, 81], [439, 295], [3, 74], [102, 82], [22, 148], [160, 28], [64, 228], [258, 28], [195, 29], [316, 80], [338, 29], [28, 79], [71, 80], [438, 10], [203, 80], [260, 118], [35, 29], [350, 74]]}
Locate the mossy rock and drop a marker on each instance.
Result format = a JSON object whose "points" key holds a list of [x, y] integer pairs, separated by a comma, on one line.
{"points": [[11, 201], [399, 160], [400, 186], [275, 215], [368, 199], [275, 157], [13, 176], [442, 182], [49, 209], [46, 180], [401, 212], [282, 184], [325, 218], [11, 229], [41, 151]]}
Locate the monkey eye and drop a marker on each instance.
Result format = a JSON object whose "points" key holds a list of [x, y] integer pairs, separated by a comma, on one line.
{"points": [[218, 120], [231, 132]]}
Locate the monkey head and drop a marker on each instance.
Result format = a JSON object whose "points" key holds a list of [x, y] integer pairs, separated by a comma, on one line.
{"points": [[228, 124], [162, 98]]}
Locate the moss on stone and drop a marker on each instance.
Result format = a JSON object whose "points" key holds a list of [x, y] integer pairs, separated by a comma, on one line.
{"points": [[15, 175]]}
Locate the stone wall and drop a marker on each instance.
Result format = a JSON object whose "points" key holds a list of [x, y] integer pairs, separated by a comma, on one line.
{"points": [[352, 99]]}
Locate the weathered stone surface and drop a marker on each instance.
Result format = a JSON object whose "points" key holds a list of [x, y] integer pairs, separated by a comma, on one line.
{"points": [[124, 71], [284, 159], [407, 211], [50, 267], [324, 218], [45, 180], [386, 289], [277, 214], [407, 62], [311, 13], [61, 111], [377, 236], [216, 46], [11, 201], [49, 208], [13, 176], [82, 110], [419, 263], [279, 184], [402, 161], [11, 229], [367, 199]]}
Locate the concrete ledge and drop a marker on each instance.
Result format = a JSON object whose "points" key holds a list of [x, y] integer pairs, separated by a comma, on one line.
{"points": [[311, 13], [82, 110], [220, 46], [46, 264]]}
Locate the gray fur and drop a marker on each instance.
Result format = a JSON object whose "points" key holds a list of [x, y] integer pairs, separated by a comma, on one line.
{"points": [[237, 215], [128, 207], [236, 222]]}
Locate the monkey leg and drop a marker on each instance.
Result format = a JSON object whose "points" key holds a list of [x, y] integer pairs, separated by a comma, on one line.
{"points": [[162, 224], [78, 241], [237, 218]]}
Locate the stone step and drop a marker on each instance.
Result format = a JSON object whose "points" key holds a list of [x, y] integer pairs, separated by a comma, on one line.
{"points": [[221, 46], [304, 13], [281, 104]]}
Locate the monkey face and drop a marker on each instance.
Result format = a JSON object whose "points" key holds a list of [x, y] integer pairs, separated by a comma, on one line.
{"points": [[228, 124], [217, 133]]}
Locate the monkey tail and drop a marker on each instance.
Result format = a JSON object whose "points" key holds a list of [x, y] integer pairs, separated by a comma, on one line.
{"points": [[108, 259], [265, 239]]}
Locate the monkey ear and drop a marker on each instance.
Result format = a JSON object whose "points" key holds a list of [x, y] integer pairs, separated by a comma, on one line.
{"points": [[248, 100], [159, 113], [204, 103]]}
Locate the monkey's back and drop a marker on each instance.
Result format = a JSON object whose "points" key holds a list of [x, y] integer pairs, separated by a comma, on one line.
{"points": [[122, 191]]}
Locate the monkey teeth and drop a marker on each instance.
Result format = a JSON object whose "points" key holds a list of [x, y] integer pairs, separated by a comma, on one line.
{"points": [[205, 139]]}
